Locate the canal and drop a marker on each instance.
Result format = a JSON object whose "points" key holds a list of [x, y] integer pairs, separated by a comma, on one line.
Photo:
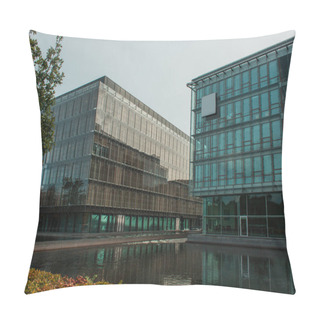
{"points": [[174, 262]]}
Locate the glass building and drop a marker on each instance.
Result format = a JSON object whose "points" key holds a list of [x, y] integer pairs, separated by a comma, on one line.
{"points": [[116, 166], [236, 144]]}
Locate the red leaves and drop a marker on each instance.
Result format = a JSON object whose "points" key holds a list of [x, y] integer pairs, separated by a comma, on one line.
{"points": [[42, 281]]}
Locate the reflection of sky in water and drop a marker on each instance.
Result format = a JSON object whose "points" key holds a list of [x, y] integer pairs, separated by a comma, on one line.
{"points": [[174, 264]]}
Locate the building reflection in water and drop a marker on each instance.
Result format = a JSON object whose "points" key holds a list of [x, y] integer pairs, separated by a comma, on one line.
{"points": [[260, 269], [174, 264]]}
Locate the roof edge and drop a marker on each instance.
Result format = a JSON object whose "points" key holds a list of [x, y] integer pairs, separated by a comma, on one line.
{"points": [[251, 56]]}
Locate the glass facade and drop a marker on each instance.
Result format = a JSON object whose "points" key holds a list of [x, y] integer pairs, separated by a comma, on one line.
{"points": [[235, 154], [116, 166]]}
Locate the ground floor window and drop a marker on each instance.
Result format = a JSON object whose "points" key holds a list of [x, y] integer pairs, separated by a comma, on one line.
{"points": [[256, 215], [101, 223]]}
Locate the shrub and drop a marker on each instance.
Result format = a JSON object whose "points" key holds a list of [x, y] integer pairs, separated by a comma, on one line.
{"points": [[42, 281]]}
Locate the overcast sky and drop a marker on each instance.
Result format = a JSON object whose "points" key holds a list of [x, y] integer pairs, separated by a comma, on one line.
{"points": [[155, 72]]}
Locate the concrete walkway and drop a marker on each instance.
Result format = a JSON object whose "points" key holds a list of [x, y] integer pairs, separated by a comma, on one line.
{"points": [[88, 240]]}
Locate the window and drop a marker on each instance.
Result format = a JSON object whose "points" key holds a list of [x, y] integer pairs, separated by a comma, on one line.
{"points": [[277, 166], [238, 140], [263, 76], [254, 78], [264, 105], [245, 82], [266, 135], [256, 137], [257, 169], [238, 113], [246, 109], [274, 102], [222, 119], [230, 172], [237, 84], [214, 175], [273, 72], [230, 142], [276, 133], [267, 168], [230, 114], [229, 87], [214, 146], [247, 139], [247, 170], [239, 171], [256, 204], [222, 143], [222, 174], [275, 204], [255, 107]]}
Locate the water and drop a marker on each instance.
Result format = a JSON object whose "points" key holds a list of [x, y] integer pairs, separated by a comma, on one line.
{"points": [[174, 263]]}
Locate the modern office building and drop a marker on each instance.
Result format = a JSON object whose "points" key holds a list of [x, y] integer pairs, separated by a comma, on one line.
{"points": [[236, 147], [116, 166]]}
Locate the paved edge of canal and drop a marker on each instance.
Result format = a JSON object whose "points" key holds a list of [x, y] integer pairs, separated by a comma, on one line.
{"points": [[100, 241]]}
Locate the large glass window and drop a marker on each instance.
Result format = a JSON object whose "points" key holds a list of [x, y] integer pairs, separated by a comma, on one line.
{"points": [[230, 225], [257, 227], [126, 224], [276, 227], [229, 205], [94, 223], [275, 204], [103, 223], [256, 204], [213, 225], [78, 222]]}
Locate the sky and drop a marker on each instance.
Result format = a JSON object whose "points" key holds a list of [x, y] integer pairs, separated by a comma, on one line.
{"points": [[155, 72]]}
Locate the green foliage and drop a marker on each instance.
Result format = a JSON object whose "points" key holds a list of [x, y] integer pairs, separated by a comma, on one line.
{"points": [[42, 281], [48, 76]]}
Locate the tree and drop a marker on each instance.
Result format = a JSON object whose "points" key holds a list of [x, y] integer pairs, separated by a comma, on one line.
{"points": [[48, 76]]}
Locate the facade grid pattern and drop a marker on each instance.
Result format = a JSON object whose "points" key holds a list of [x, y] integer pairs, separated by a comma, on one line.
{"points": [[235, 156], [116, 166]]}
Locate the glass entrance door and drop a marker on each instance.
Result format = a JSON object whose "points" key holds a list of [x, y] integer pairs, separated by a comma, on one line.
{"points": [[243, 226]]}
